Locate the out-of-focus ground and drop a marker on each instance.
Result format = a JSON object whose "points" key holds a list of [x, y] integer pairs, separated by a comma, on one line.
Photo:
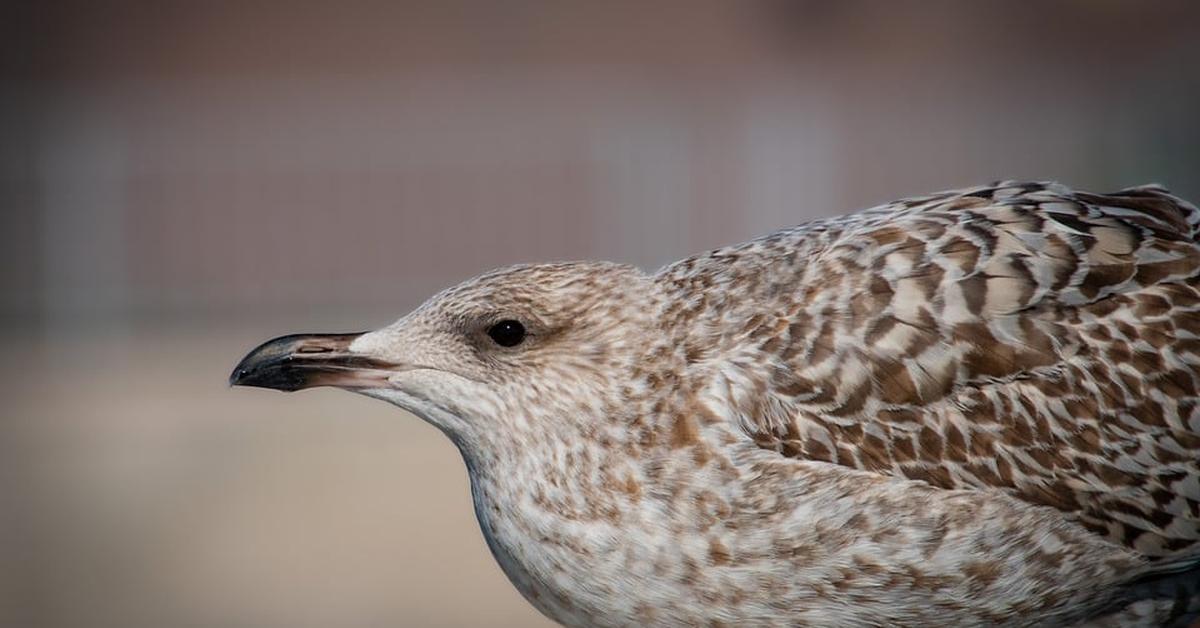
{"points": [[183, 180]]}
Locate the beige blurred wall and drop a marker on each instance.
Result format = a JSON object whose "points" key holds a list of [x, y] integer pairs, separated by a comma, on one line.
{"points": [[181, 180]]}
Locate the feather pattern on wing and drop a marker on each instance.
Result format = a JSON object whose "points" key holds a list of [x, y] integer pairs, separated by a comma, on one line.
{"points": [[1022, 337]]}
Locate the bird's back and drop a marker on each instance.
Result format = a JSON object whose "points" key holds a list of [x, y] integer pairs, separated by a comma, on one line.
{"points": [[1022, 337]]}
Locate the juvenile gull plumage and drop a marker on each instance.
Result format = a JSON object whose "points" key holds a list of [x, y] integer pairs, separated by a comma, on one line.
{"points": [[975, 408]]}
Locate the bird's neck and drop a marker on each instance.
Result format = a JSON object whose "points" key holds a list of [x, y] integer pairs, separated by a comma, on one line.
{"points": [[567, 512], [552, 513]]}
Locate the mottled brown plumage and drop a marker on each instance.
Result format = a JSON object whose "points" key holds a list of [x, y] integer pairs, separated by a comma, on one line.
{"points": [[975, 408], [1019, 336]]}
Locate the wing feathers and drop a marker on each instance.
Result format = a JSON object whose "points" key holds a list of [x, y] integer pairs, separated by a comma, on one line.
{"points": [[1020, 336]]}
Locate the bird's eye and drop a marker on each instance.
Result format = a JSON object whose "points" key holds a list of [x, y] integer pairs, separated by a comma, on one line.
{"points": [[507, 333]]}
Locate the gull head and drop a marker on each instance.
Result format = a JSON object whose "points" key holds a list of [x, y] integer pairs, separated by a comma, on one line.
{"points": [[516, 351]]}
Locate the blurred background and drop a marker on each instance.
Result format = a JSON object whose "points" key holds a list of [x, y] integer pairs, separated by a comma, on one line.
{"points": [[181, 180]]}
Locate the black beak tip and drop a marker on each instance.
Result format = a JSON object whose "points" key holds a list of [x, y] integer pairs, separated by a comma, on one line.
{"points": [[267, 366], [274, 375], [238, 374], [247, 375]]}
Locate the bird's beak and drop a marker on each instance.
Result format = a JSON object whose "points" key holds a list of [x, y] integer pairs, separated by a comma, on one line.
{"points": [[301, 361]]}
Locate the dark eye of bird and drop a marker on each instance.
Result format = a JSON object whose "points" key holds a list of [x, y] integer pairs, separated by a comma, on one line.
{"points": [[507, 333]]}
